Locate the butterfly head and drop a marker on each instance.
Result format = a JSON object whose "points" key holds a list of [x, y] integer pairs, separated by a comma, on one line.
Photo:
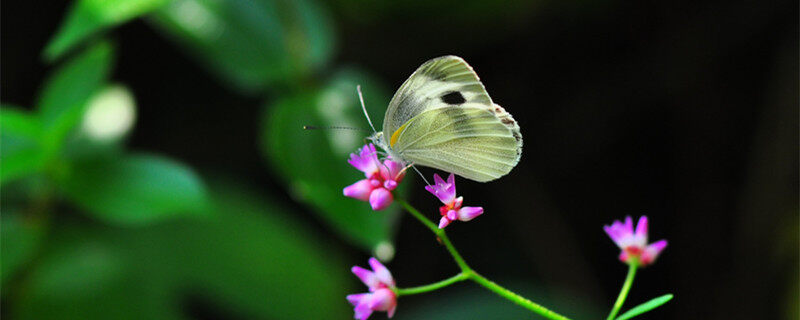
{"points": [[379, 139]]}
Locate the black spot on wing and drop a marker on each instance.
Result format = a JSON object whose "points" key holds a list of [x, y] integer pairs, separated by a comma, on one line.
{"points": [[453, 98]]}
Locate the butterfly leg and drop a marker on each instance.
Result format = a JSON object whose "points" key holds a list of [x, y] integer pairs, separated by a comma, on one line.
{"points": [[419, 173]]}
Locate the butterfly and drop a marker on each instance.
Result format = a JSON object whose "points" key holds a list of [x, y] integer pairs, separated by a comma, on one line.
{"points": [[443, 118]]}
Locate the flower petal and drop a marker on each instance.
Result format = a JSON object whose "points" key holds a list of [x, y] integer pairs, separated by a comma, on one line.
{"points": [[452, 215], [457, 202], [390, 185], [628, 225], [614, 233], [657, 246], [359, 190], [362, 310], [367, 277], [381, 272], [443, 222], [437, 179], [355, 299], [445, 191], [621, 233], [640, 236], [469, 213], [451, 184], [641, 226], [366, 160], [652, 251], [382, 299], [380, 198], [392, 170]]}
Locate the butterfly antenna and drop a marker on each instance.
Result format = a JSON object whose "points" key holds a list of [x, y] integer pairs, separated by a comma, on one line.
{"points": [[364, 107], [332, 128]]}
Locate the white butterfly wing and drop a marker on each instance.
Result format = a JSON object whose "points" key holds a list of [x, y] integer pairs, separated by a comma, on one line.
{"points": [[443, 118], [425, 87]]}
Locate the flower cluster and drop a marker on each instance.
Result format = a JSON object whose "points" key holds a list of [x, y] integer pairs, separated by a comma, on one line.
{"points": [[451, 210], [381, 178], [380, 296], [634, 243]]}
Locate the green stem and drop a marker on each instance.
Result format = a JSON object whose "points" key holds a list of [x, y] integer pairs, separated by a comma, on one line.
{"points": [[414, 212], [624, 292], [520, 300], [439, 233], [433, 286], [468, 273]]}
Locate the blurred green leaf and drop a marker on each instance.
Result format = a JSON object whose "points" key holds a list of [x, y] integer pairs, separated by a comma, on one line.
{"points": [[313, 163], [257, 260], [478, 14], [86, 274], [19, 238], [248, 259], [63, 100], [645, 307], [89, 17], [21, 151], [252, 43], [20, 122], [134, 189]]}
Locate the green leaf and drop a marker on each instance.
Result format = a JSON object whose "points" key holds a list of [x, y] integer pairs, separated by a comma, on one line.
{"points": [[134, 189], [63, 100], [89, 17], [21, 152], [20, 237], [83, 276], [252, 43], [313, 163], [248, 259], [645, 307]]}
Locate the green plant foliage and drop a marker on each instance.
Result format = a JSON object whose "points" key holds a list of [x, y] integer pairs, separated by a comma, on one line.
{"points": [[63, 100], [20, 140], [645, 307], [30, 141], [246, 258], [89, 17], [313, 163], [253, 43], [134, 189], [457, 12], [20, 238]]}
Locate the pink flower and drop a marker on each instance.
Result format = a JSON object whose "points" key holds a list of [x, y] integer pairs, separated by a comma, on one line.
{"points": [[380, 296], [634, 243], [381, 178], [451, 210]]}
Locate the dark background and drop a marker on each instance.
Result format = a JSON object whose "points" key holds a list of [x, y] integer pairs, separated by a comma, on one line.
{"points": [[684, 111]]}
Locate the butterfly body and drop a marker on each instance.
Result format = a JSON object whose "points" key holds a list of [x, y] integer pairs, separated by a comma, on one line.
{"points": [[442, 117]]}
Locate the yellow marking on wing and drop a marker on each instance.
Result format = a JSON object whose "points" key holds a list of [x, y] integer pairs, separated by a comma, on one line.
{"points": [[396, 134]]}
